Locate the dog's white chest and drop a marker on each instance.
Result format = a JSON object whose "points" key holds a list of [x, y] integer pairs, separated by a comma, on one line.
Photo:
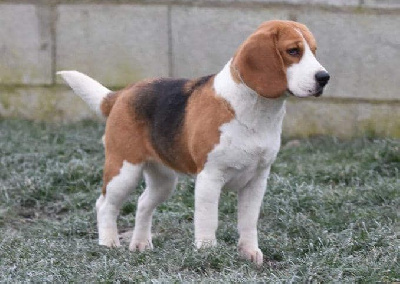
{"points": [[244, 150], [243, 147]]}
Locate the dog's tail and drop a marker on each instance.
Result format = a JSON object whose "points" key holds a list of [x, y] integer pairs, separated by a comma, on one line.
{"points": [[99, 98]]}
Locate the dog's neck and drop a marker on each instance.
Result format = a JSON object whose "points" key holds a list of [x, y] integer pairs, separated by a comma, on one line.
{"points": [[251, 109]]}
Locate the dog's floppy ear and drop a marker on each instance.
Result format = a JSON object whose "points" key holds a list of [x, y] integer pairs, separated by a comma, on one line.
{"points": [[259, 63]]}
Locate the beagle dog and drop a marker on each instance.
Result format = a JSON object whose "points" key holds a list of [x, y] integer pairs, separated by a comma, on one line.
{"points": [[225, 129]]}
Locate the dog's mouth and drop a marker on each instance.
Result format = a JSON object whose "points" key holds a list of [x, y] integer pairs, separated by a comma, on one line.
{"points": [[317, 94]]}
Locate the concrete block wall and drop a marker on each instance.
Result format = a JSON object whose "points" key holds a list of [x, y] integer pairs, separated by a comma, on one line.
{"points": [[122, 41]]}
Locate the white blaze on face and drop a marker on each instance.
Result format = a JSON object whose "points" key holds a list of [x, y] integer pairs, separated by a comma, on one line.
{"points": [[301, 76]]}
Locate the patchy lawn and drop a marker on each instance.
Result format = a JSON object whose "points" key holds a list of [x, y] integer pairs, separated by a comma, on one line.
{"points": [[331, 213]]}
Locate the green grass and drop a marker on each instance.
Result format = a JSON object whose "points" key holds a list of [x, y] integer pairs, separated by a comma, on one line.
{"points": [[331, 213]]}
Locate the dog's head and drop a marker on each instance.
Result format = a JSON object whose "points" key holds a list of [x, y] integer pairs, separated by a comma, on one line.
{"points": [[279, 57]]}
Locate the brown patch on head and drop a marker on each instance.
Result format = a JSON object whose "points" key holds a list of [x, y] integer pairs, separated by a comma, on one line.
{"points": [[262, 60], [308, 36]]}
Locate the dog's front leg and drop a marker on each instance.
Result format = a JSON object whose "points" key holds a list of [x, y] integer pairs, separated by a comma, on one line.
{"points": [[207, 192], [249, 203]]}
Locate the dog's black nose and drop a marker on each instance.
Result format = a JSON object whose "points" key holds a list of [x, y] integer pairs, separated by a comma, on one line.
{"points": [[322, 78]]}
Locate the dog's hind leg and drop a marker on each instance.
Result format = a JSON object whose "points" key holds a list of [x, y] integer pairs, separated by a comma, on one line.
{"points": [[119, 181], [160, 182]]}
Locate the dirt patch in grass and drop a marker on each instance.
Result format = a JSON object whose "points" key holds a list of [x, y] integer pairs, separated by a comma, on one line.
{"points": [[331, 213]]}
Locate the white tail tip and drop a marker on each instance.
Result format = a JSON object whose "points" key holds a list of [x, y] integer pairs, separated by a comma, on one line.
{"points": [[91, 91]]}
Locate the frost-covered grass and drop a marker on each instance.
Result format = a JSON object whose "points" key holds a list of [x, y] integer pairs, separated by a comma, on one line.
{"points": [[331, 213]]}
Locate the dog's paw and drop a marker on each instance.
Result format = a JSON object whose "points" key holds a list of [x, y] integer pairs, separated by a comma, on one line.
{"points": [[109, 241], [137, 245], [254, 255], [201, 244]]}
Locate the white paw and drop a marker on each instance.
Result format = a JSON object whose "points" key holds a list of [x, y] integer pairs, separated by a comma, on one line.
{"points": [[109, 241], [201, 244], [137, 245], [254, 255], [109, 237]]}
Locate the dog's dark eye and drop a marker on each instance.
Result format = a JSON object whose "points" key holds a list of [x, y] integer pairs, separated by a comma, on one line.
{"points": [[293, 51]]}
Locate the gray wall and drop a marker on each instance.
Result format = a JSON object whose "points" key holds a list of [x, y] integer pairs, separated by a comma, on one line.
{"points": [[119, 41]]}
